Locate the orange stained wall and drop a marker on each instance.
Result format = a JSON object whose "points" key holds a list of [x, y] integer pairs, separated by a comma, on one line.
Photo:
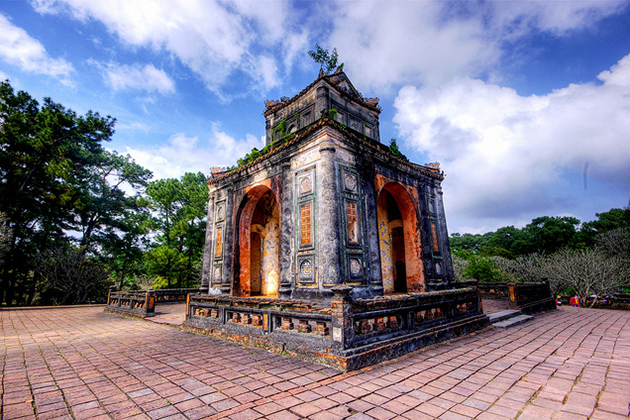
{"points": [[407, 199]]}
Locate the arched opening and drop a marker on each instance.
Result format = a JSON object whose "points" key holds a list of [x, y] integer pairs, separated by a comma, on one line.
{"points": [[258, 245], [399, 241]]}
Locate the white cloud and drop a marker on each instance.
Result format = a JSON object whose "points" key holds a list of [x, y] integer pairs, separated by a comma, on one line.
{"points": [[214, 39], [503, 153], [189, 154], [19, 49], [133, 126], [148, 78], [557, 17], [385, 43]]}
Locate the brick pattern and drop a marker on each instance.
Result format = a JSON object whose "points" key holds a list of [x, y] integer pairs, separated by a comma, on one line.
{"points": [[78, 362]]}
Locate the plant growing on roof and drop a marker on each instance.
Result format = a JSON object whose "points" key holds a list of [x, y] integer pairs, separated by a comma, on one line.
{"points": [[327, 61], [395, 151]]}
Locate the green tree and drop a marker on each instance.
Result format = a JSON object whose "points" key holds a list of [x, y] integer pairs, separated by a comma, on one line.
{"points": [[43, 151], [327, 61], [468, 242], [482, 269], [103, 204], [547, 235], [123, 247], [180, 207]]}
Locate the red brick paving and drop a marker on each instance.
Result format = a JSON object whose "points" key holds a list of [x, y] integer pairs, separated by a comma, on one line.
{"points": [[80, 363]]}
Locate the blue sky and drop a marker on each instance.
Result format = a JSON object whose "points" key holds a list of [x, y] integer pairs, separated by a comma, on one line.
{"points": [[526, 104]]}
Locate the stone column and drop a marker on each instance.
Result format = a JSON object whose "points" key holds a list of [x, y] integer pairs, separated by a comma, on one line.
{"points": [[328, 222], [286, 237], [373, 253], [322, 102], [207, 250], [228, 245], [447, 263]]}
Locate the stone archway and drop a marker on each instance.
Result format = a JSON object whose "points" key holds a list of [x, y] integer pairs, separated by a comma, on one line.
{"points": [[399, 241], [258, 245]]}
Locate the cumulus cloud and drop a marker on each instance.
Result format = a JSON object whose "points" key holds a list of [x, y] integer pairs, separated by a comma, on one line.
{"points": [[19, 49], [557, 17], [503, 152], [385, 43], [215, 39], [136, 77], [189, 154]]}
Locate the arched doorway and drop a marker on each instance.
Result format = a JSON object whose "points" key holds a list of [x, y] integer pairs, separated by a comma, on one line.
{"points": [[258, 245], [399, 241]]}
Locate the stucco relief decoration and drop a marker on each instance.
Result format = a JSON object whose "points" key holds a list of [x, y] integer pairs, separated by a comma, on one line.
{"points": [[217, 273], [355, 266], [306, 185], [221, 211], [306, 268], [438, 268], [350, 181]]}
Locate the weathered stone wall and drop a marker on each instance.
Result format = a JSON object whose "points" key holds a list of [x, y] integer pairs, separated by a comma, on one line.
{"points": [[334, 187]]}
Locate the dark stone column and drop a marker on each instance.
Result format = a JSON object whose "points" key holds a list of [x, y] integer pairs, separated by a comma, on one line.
{"points": [[445, 249], [228, 242], [322, 101], [375, 277], [207, 250], [286, 239], [328, 222]]}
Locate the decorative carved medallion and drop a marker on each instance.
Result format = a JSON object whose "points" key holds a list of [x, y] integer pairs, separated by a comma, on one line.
{"points": [[351, 182], [355, 266], [438, 269], [306, 268], [306, 185], [217, 273]]}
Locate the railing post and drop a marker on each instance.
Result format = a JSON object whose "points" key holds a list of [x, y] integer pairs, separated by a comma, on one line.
{"points": [[109, 294], [342, 317], [149, 302]]}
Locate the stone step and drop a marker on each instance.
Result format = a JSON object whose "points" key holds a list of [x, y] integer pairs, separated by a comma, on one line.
{"points": [[502, 315], [510, 322]]}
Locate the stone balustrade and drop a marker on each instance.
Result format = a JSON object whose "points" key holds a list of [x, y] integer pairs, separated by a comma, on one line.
{"points": [[528, 297], [137, 303], [344, 333]]}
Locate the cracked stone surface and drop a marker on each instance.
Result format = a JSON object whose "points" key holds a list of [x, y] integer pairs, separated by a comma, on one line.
{"points": [[78, 362]]}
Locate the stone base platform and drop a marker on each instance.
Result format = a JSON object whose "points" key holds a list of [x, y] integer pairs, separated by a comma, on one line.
{"points": [[343, 333]]}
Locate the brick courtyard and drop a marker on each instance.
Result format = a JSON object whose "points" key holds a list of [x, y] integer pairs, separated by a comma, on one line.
{"points": [[78, 363]]}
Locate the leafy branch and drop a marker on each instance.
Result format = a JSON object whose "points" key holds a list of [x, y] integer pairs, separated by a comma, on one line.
{"points": [[328, 62]]}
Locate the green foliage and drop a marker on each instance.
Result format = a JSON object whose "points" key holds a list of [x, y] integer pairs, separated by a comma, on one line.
{"points": [[328, 62], [282, 127], [395, 151], [49, 157], [332, 113], [179, 206], [255, 153], [591, 259], [482, 269]]}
